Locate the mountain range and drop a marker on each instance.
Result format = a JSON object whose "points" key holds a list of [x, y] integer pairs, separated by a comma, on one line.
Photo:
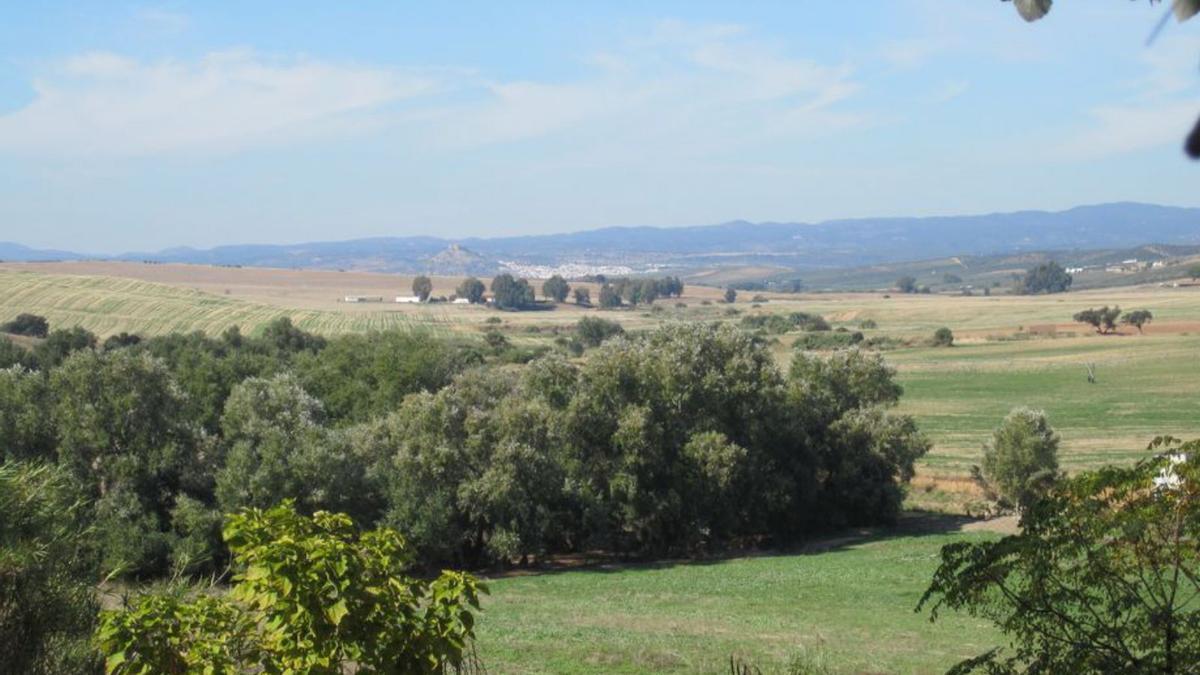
{"points": [[797, 246]]}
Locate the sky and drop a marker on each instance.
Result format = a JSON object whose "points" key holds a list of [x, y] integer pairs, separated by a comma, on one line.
{"points": [[127, 126]]}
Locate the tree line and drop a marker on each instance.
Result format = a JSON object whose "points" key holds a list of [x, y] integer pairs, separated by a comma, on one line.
{"points": [[684, 438]]}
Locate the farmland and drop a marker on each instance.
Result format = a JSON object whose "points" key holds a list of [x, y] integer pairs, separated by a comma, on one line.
{"points": [[1147, 384]]}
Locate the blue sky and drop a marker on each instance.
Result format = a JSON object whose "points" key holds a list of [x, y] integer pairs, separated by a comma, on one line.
{"points": [[130, 126]]}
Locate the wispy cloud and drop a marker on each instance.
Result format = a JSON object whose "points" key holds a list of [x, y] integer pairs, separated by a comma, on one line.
{"points": [[681, 90], [677, 88], [105, 104], [1159, 111]]}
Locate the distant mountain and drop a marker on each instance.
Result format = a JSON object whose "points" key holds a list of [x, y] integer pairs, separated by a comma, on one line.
{"points": [[18, 253], [797, 246]]}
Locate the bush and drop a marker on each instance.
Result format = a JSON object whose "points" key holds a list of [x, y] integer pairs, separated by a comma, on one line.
{"points": [[1021, 461], [313, 596], [827, 341], [29, 325], [868, 324], [943, 337], [594, 330]]}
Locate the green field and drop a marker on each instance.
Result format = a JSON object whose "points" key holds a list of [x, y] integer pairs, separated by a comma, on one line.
{"points": [[1145, 386], [850, 607]]}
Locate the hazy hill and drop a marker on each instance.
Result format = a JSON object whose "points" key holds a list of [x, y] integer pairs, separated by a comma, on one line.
{"points": [[794, 246]]}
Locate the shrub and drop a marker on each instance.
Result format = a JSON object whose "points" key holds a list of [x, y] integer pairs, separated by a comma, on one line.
{"points": [[868, 324], [313, 596], [1021, 461], [594, 330], [943, 337], [30, 325], [827, 341]]}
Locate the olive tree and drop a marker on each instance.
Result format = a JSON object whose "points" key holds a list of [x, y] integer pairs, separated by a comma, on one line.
{"points": [[1137, 318]]}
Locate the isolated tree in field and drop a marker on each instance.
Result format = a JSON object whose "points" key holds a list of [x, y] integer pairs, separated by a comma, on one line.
{"points": [[1137, 318], [906, 284], [312, 596], [1103, 319], [1194, 272], [472, 289], [1032, 10], [730, 295], [511, 293], [583, 297], [422, 287], [943, 337], [556, 288], [1102, 578], [1048, 277], [609, 297], [30, 325], [1020, 463]]}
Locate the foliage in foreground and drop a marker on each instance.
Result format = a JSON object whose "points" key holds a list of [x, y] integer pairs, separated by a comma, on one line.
{"points": [[47, 568], [1103, 578], [311, 596]]}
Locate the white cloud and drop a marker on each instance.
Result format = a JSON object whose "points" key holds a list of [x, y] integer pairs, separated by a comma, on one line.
{"points": [[1159, 112], [677, 90], [682, 90], [105, 104]]}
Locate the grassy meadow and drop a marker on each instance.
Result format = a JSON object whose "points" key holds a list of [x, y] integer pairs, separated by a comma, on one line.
{"points": [[849, 609]]}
